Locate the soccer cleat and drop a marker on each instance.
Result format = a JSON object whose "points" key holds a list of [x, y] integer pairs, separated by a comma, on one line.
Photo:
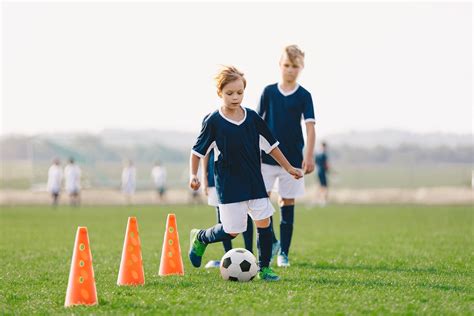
{"points": [[275, 250], [196, 249], [283, 261], [213, 264], [267, 274]]}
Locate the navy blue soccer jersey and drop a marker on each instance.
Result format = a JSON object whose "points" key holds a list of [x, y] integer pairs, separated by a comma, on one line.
{"points": [[210, 170], [283, 114], [237, 145]]}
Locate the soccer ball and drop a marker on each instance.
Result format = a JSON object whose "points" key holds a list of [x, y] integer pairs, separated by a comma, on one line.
{"points": [[238, 265]]}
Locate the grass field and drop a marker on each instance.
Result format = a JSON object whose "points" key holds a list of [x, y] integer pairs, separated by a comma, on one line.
{"points": [[345, 260]]}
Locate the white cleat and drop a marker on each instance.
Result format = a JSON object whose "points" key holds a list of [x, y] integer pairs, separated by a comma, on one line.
{"points": [[213, 264], [283, 261]]}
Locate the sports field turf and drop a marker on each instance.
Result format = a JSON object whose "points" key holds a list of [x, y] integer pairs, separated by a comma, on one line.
{"points": [[345, 260]]}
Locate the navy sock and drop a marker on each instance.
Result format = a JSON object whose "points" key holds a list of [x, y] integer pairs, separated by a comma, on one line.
{"points": [[228, 242], [286, 227], [274, 239], [264, 244], [248, 235], [213, 234]]}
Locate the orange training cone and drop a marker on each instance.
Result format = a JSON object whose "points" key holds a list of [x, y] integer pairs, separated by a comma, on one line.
{"points": [[171, 261], [131, 266], [81, 286]]}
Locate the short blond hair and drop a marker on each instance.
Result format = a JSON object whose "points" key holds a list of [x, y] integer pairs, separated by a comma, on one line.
{"points": [[294, 54], [226, 75]]}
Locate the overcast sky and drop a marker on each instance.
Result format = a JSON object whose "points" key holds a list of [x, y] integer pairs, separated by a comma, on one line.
{"points": [[70, 67]]}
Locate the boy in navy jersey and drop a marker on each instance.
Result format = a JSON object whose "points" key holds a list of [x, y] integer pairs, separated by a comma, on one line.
{"points": [[212, 200], [283, 105], [237, 135]]}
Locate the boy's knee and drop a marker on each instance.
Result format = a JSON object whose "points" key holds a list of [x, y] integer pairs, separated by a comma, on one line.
{"points": [[263, 223], [286, 202]]}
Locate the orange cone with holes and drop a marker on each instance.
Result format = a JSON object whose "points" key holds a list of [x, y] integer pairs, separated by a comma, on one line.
{"points": [[81, 286], [171, 260], [131, 266]]}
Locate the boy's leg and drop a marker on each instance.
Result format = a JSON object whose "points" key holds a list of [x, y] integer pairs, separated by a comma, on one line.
{"points": [[275, 242], [264, 242], [270, 176], [248, 235], [288, 189], [233, 217], [287, 209], [260, 210], [264, 246], [274, 239], [228, 242], [200, 238]]}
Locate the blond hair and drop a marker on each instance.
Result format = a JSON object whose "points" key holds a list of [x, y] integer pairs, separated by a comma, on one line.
{"points": [[226, 75], [294, 54]]}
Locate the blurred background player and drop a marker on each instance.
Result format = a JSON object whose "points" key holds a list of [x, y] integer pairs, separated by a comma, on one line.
{"points": [[283, 105], [129, 181], [55, 177], [209, 189], [158, 174], [237, 135], [72, 178], [323, 168]]}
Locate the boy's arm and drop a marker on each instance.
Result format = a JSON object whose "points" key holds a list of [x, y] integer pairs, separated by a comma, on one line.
{"points": [[193, 168], [282, 161], [308, 162], [204, 164]]}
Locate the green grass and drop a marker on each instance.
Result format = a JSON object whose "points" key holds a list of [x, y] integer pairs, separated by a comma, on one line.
{"points": [[345, 260]]}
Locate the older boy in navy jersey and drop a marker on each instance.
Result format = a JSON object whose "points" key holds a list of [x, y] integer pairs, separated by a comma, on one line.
{"points": [[283, 105], [237, 134]]}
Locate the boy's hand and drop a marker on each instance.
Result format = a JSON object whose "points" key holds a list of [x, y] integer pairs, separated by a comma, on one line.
{"points": [[308, 165], [205, 188], [297, 174], [194, 182]]}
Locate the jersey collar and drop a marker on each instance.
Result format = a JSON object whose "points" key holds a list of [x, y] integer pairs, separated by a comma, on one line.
{"points": [[285, 94], [232, 121]]}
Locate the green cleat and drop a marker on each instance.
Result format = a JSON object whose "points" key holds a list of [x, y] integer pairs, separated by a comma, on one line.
{"points": [[267, 274], [196, 249]]}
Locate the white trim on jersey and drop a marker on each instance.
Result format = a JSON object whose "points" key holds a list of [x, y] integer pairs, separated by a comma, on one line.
{"points": [[310, 120], [232, 121], [211, 146], [265, 145], [217, 152], [286, 94]]}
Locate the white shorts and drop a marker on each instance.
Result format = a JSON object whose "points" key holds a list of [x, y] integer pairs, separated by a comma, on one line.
{"points": [[212, 199], [278, 180], [234, 215]]}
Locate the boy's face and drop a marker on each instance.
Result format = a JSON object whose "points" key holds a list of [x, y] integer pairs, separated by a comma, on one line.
{"points": [[290, 71], [232, 94]]}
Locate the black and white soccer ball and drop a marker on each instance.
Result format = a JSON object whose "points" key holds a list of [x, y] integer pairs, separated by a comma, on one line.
{"points": [[238, 265]]}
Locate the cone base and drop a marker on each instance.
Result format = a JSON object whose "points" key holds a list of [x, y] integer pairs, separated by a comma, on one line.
{"points": [[175, 273], [130, 284], [80, 304]]}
